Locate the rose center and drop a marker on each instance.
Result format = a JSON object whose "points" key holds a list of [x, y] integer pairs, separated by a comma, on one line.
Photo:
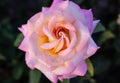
{"points": [[60, 32]]}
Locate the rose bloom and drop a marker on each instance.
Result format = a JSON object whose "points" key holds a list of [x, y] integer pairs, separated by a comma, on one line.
{"points": [[57, 40]]}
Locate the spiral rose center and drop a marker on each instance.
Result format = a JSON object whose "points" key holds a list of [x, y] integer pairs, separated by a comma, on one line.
{"points": [[59, 39], [60, 32]]}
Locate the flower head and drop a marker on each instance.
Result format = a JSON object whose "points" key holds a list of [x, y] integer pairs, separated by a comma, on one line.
{"points": [[57, 40]]}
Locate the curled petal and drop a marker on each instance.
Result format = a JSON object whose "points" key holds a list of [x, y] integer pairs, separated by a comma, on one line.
{"points": [[30, 60], [84, 36], [34, 18], [70, 27], [49, 45], [72, 8], [24, 45], [67, 41], [92, 48], [66, 76], [50, 75], [89, 16], [60, 45], [81, 69], [55, 2], [72, 44], [64, 68], [48, 33]]}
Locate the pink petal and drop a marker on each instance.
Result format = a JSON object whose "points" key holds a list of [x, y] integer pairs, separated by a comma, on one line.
{"points": [[92, 48], [55, 2], [29, 60], [49, 45], [84, 36], [35, 60], [64, 68], [24, 45], [34, 18], [81, 69], [89, 19], [23, 29], [48, 33], [72, 44], [60, 45], [44, 9], [72, 8], [67, 26], [67, 41], [50, 75], [70, 27], [66, 76], [39, 23]]}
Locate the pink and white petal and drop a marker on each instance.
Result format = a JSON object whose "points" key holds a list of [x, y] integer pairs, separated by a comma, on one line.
{"points": [[39, 24], [34, 18], [50, 75], [64, 68], [89, 19], [23, 29], [70, 27], [60, 45], [48, 33], [71, 46], [49, 45], [92, 48], [45, 9], [73, 9], [55, 2], [81, 69], [24, 45], [83, 36], [30, 61], [67, 76]]}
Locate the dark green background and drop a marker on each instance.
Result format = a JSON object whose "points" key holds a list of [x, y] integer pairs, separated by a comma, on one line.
{"points": [[14, 13]]}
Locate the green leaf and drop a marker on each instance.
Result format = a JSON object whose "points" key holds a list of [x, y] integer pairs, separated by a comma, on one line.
{"points": [[34, 76], [17, 72], [100, 27], [18, 40], [2, 57], [105, 36], [90, 67], [65, 81]]}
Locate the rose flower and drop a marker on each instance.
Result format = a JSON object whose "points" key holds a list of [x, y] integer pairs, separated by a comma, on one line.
{"points": [[57, 40]]}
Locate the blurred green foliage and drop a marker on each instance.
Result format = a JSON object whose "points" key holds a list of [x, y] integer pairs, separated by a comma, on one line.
{"points": [[106, 62]]}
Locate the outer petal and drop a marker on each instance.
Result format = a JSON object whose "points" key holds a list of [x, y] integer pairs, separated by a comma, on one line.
{"points": [[34, 18], [84, 36], [92, 48], [55, 2], [72, 8], [44, 9], [67, 76], [81, 69], [27, 31], [24, 45], [94, 24], [89, 19], [34, 60], [50, 75], [30, 61], [65, 68]]}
